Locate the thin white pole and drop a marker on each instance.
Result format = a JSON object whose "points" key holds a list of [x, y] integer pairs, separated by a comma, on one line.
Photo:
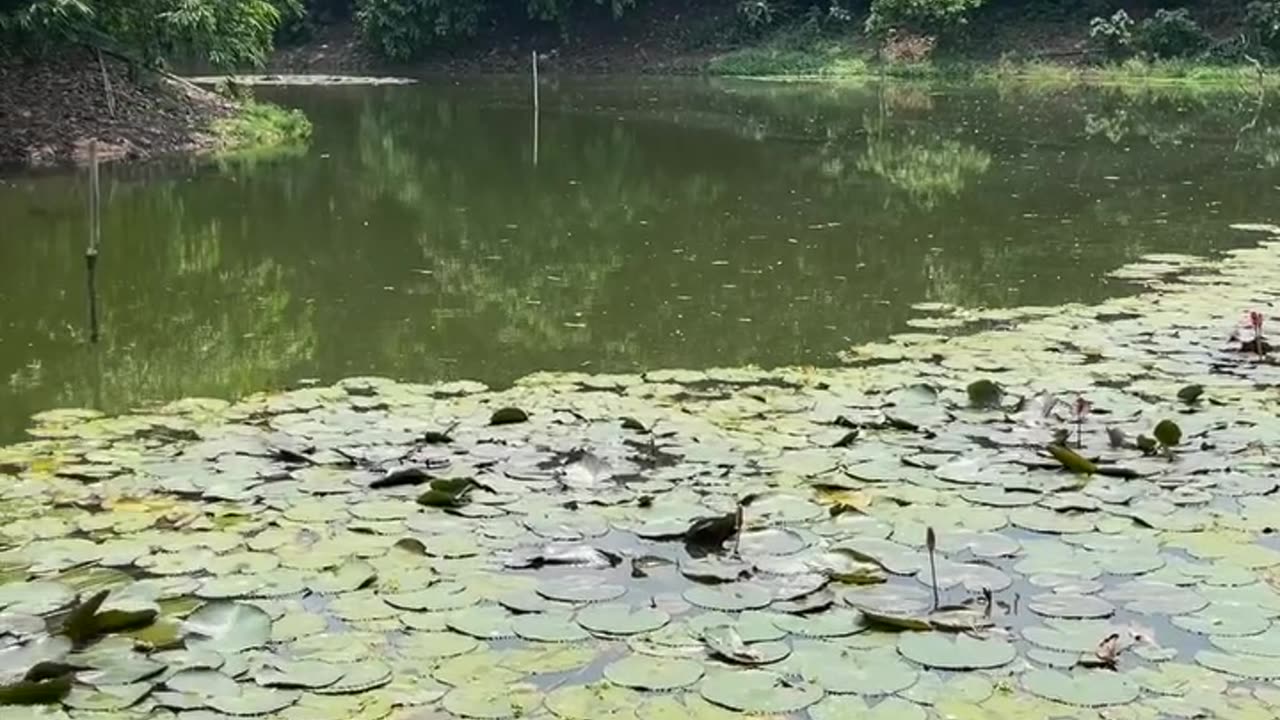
{"points": [[537, 108]]}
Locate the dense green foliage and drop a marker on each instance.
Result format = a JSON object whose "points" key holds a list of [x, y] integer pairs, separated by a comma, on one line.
{"points": [[401, 29], [225, 33]]}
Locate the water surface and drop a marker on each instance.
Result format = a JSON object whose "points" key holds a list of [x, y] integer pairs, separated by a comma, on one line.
{"points": [[665, 223]]}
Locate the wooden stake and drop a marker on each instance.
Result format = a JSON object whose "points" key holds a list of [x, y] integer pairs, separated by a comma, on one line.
{"points": [[537, 109], [95, 239], [930, 542]]}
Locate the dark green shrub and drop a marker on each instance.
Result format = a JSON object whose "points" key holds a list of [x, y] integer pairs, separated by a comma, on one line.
{"points": [[1262, 25], [1170, 34], [933, 17], [401, 29]]}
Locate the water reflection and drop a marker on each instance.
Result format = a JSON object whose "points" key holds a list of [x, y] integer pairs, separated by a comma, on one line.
{"points": [[672, 223]]}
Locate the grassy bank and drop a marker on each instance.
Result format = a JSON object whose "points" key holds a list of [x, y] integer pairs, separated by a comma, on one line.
{"points": [[258, 127], [833, 60]]}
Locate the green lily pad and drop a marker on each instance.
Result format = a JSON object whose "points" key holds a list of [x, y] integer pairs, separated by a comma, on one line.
{"points": [[648, 673], [725, 642], [202, 683], [614, 619], [35, 598], [1085, 688], [1065, 605], [486, 623], [931, 689], [433, 645], [357, 677], [593, 701], [549, 627], [580, 589], [1247, 666], [299, 674], [861, 672], [253, 700], [847, 707], [106, 698], [549, 659], [1265, 643], [492, 701], [833, 623], [348, 577], [361, 606], [227, 627], [729, 598], [1222, 619], [758, 692], [1074, 636], [955, 652]]}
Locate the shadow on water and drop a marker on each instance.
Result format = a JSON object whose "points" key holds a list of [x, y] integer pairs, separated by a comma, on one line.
{"points": [[672, 223]]}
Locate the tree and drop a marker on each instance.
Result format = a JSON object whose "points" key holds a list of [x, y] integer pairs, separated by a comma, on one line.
{"points": [[226, 33]]}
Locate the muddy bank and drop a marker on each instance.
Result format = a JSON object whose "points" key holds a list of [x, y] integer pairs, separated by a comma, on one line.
{"points": [[51, 108]]}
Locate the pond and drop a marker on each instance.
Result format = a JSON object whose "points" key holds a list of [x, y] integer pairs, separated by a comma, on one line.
{"points": [[665, 223]]}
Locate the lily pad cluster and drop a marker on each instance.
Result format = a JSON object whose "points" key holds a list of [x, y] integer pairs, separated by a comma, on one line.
{"points": [[895, 539]]}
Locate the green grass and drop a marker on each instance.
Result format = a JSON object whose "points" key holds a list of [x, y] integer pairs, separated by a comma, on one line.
{"points": [[261, 128], [834, 60]]}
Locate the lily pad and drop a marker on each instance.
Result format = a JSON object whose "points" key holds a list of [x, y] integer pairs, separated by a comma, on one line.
{"points": [[593, 701], [581, 589], [549, 627], [1066, 605], [492, 701], [955, 652], [759, 692], [648, 673], [847, 707], [228, 627], [1247, 666], [613, 619], [1085, 688], [729, 598]]}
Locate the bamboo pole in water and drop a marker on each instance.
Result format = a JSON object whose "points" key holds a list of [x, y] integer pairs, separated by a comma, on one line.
{"points": [[95, 239], [537, 108]]}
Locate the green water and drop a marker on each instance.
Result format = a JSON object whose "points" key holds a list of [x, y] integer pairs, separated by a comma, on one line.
{"points": [[667, 223]]}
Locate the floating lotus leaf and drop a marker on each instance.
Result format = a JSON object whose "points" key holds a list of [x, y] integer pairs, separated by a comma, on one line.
{"points": [[894, 557], [299, 674], [1266, 643], [751, 626], [615, 619], [771, 541], [444, 596], [955, 652], [550, 659], [348, 577], [861, 672], [725, 642], [35, 598], [112, 668], [593, 701], [431, 645], [646, 673], [854, 708], [16, 660], [106, 698], [729, 598], [1048, 521], [974, 577], [714, 569], [834, 623], [297, 625], [580, 589], [1247, 666], [1223, 619], [227, 587], [486, 623], [931, 689], [889, 598], [363, 605], [549, 627], [690, 706], [203, 683], [1152, 598], [1085, 688], [1065, 605], [758, 692], [1076, 636], [253, 700], [228, 627], [492, 701], [357, 677]]}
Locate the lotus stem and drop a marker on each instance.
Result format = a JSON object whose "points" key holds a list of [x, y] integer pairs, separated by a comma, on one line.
{"points": [[930, 542]]}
